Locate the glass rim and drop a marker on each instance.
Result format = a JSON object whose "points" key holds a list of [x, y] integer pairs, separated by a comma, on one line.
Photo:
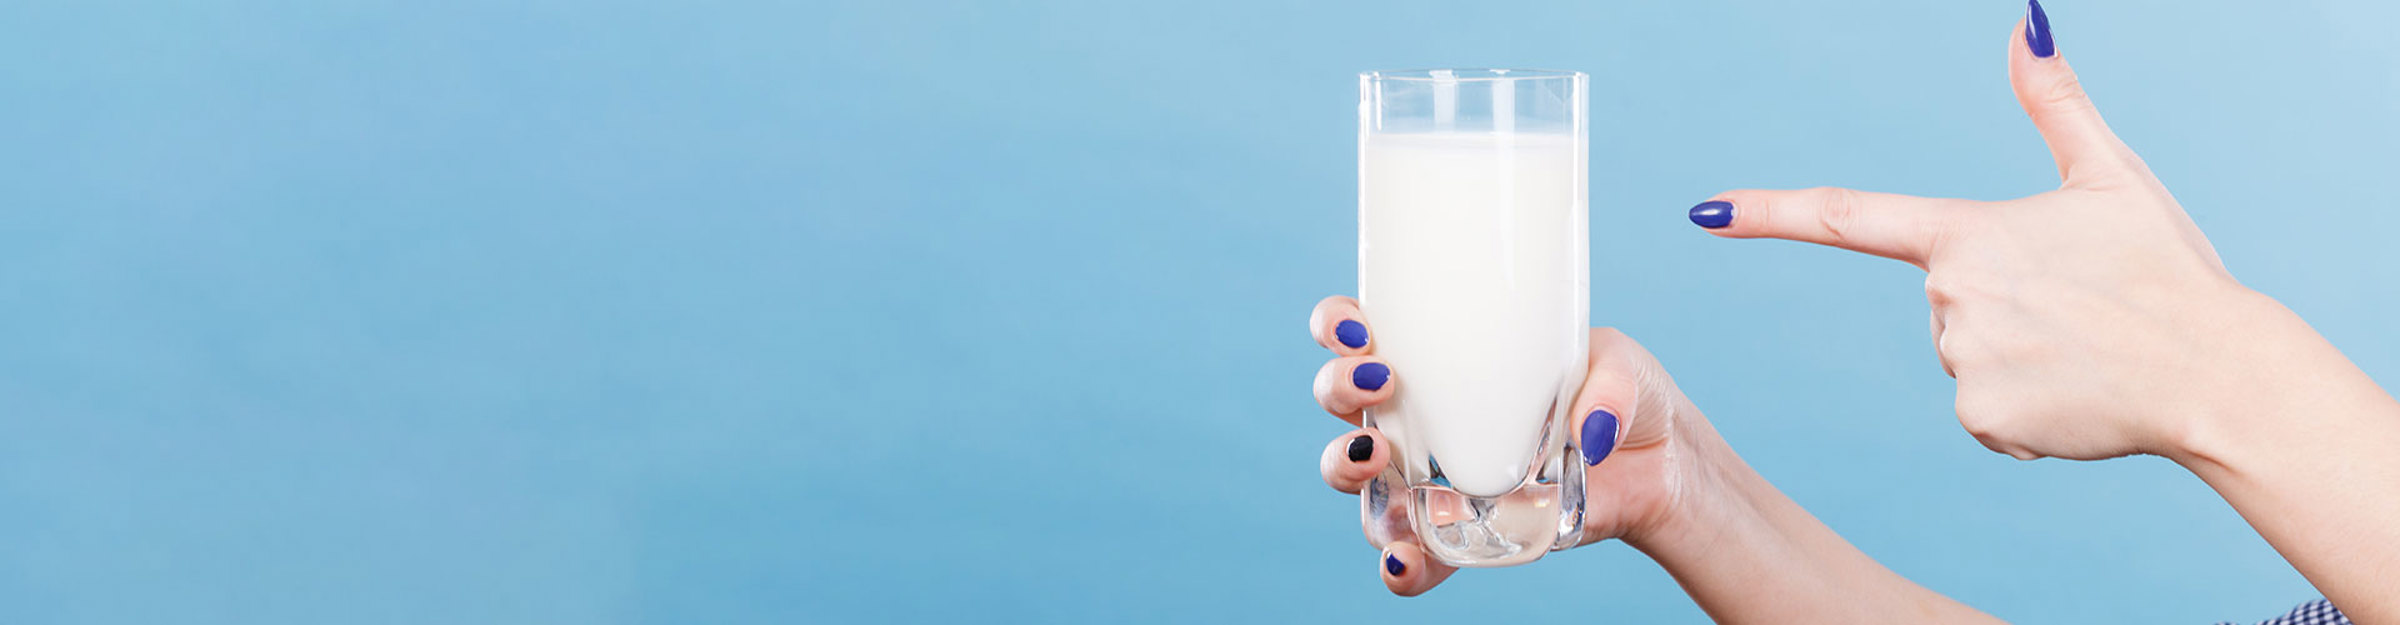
{"points": [[1468, 74]]}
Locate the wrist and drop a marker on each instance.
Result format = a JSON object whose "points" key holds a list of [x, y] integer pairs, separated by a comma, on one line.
{"points": [[2275, 377], [1710, 499], [1747, 554], [2187, 432]]}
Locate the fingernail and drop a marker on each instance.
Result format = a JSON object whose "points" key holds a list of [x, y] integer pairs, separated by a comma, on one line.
{"points": [[1351, 332], [2037, 30], [1392, 565], [1713, 214], [1599, 436], [1370, 376], [1362, 448]]}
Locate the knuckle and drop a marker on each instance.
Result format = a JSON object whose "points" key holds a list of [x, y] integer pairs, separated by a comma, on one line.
{"points": [[1320, 319], [1988, 419], [1958, 350], [1327, 309], [1329, 466], [1989, 423], [1941, 290], [1981, 419], [1837, 212], [1980, 428], [2065, 93], [1955, 222], [1326, 384], [1946, 350], [1963, 286]]}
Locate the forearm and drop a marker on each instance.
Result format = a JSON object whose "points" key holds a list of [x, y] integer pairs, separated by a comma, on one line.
{"points": [[2311, 458], [1748, 554]]}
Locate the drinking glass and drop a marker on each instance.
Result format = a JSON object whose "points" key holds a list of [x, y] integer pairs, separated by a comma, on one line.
{"points": [[1473, 266]]}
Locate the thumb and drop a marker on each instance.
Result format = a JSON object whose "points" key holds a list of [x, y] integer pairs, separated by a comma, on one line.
{"points": [[1616, 410], [2080, 142]]}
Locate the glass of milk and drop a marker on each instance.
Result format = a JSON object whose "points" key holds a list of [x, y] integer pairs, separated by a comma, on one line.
{"points": [[1473, 266]]}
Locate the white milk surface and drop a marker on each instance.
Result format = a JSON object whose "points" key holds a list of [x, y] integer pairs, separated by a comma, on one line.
{"points": [[1472, 271]]}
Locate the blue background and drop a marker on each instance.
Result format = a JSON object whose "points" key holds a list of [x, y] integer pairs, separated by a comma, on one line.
{"points": [[732, 311]]}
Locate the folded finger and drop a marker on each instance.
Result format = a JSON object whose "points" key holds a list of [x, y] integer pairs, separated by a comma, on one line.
{"points": [[1408, 572], [1337, 324], [1347, 385], [1353, 459]]}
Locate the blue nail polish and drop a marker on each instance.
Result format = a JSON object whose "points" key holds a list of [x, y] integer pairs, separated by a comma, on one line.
{"points": [[1370, 376], [1351, 333], [1713, 214], [2037, 30], [1392, 565], [1599, 436]]}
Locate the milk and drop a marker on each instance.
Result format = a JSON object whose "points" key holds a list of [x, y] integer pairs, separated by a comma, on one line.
{"points": [[1473, 271]]}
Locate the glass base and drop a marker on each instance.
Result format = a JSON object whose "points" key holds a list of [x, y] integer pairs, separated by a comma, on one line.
{"points": [[1463, 530], [1543, 514]]}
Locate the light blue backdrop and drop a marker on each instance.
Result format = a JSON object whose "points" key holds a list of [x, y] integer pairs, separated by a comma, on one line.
{"points": [[731, 311]]}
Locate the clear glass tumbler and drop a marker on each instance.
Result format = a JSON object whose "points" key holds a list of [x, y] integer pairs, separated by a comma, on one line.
{"points": [[1473, 266]]}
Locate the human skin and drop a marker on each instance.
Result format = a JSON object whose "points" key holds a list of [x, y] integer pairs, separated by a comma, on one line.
{"points": [[1669, 487], [2096, 321], [2089, 322]]}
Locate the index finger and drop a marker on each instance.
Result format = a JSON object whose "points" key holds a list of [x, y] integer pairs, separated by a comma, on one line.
{"points": [[1338, 325], [1898, 227]]}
